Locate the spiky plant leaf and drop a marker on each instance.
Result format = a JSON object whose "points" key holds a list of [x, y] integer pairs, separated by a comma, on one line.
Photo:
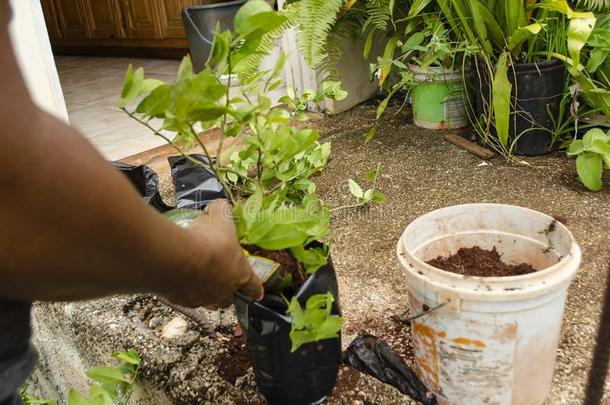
{"points": [[600, 6], [315, 19]]}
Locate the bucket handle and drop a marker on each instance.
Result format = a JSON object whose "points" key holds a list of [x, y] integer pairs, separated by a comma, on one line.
{"points": [[401, 318]]}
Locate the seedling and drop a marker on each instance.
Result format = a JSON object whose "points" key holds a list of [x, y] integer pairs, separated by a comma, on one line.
{"points": [[592, 157]]}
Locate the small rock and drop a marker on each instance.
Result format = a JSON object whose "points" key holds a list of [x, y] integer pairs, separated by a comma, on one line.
{"points": [[174, 328], [155, 322]]}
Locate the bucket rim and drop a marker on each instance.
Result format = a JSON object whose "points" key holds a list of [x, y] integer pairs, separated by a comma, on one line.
{"points": [[536, 283], [436, 73]]}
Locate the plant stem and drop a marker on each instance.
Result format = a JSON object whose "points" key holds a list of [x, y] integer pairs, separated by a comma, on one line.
{"points": [[169, 141], [214, 166]]}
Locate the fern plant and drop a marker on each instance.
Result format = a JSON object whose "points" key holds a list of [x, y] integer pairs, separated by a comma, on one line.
{"points": [[600, 6], [314, 20], [323, 25], [380, 13]]}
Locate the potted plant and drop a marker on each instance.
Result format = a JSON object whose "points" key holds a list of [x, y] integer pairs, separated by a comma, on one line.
{"points": [[294, 333], [521, 81], [430, 64]]}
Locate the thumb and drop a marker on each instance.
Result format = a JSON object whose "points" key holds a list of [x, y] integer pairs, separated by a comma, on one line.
{"points": [[219, 211]]}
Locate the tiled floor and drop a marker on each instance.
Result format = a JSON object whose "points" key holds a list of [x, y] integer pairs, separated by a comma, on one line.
{"points": [[91, 88]]}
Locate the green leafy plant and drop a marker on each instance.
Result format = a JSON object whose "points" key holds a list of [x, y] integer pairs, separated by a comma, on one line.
{"points": [[592, 157], [315, 322], [509, 32], [111, 385], [427, 42], [590, 67], [268, 177], [29, 399], [366, 196]]}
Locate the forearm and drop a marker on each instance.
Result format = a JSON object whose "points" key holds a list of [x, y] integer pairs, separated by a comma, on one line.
{"points": [[73, 227]]}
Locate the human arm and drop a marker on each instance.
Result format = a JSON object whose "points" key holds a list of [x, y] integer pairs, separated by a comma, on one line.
{"points": [[71, 227]]}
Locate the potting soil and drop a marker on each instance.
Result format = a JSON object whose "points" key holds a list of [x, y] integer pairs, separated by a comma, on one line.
{"points": [[479, 262]]}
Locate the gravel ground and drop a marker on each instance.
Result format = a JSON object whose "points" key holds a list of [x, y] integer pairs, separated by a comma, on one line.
{"points": [[421, 172]]}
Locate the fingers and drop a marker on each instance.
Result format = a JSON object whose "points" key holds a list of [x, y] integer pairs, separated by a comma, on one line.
{"points": [[253, 288]]}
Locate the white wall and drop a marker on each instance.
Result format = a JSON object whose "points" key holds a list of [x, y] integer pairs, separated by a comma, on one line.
{"points": [[33, 51]]}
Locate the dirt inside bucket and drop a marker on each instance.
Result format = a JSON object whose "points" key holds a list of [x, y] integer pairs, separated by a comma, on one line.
{"points": [[479, 262], [288, 278]]}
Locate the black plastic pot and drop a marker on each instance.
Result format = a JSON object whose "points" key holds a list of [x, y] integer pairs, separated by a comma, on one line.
{"points": [[537, 90], [200, 25], [306, 376]]}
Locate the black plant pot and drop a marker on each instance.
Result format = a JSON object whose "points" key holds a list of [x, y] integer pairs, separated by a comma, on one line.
{"points": [[306, 376], [537, 89], [200, 26]]}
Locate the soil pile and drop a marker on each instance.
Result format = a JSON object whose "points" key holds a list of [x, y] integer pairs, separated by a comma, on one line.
{"points": [[479, 262]]}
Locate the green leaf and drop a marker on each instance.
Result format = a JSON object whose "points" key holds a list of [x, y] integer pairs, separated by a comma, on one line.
{"points": [[579, 31], [355, 189], [278, 236], [129, 357], [296, 312], [312, 258], [300, 337], [99, 396], [593, 135], [414, 40], [388, 54], [368, 43], [330, 328], [370, 134], [315, 323], [157, 102], [221, 47], [253, 20], [131, 85], [75, 398], [522, 34], [333, 90], [253, 7], [576, 147], [378, 196], [107, 375], [600, 147], [253, 204], [589, 168], [596, 58], [368, 195], [501, 89], [417, 6], [185, 70]]}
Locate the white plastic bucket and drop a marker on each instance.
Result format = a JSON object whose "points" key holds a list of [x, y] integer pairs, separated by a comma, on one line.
{"points": [[495, 339]]}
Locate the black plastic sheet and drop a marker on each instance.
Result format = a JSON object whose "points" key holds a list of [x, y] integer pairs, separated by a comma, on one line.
{"points": [[195, 186], [146, 182], [371, 355]]}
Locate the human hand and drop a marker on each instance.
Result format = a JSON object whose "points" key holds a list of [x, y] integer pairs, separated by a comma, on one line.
{"points": [[219, 267]]}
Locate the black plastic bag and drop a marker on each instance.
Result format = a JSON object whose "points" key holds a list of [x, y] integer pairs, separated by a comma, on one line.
{"points": [[373, 356], [306, 376], [146, 182], [195, 186]]}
